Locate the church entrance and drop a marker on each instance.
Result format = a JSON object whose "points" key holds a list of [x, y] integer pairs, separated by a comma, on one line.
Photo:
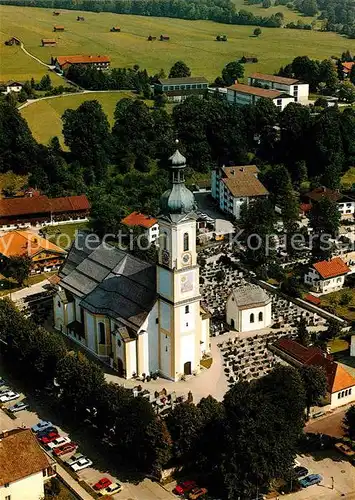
{"points": [[187, 368], [232, 323], [120, 369]]}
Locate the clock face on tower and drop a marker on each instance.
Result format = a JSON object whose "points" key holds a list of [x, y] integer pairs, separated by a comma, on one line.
{"points": [[165, 257], [186, 258]]}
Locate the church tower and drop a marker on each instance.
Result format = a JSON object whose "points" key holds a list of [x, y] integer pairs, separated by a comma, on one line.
{"points": [[183, 326]]}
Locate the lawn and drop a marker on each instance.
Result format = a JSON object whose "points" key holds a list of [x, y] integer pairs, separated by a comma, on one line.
{"points": [[348, 179], [9, 285], [258, 10], [192, 41], [50, 112], [63, 235], [333, 299]]}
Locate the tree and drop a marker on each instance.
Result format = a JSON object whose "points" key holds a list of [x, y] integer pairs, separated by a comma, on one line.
{"points": [[266, 4], [324, 218], [303, 336], [315, 385], [349, 422], [45, 83], [179, 70], [184, 424], [309, 7], [232, 72], [257, 32], [18, 267], [328, 74], [346, 92], [277, 179], [352, 74]]}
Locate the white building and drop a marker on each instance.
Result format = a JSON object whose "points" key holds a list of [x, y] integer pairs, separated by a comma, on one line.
{"points": [[248, 308], [291, 86], [148, 223], [327, 276], [232, 187], [24, 466], [345, 203], [242, 95], [13, 86], [137, 316]]}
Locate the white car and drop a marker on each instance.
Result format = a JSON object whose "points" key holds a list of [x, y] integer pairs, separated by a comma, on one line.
{"points": [[112, 489], [58, 442], [75, 458], [81, 464], [18, 407], [8, 396]]}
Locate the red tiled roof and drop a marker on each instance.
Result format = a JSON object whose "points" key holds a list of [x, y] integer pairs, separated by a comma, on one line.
{"points": [[311, 298], [273, 78], [10, 207], [347, 66], [297, 351], [323, 192], [305, 207], [248, 89], [137, 219], [331, 268], [82, 59]]}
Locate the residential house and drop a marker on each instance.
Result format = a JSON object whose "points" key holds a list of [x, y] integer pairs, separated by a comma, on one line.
{"points": [[48, 42], [345, 202], [40, 210], [45, 256], [148, 223], [232, 187], [58, 28], [164, 38], [178, 89], [137, 316], [13, 41], [291, 86], [24, 466], [248, 308], [13, 86], [347, 65], [62, 63], [327, 276], [115, 29], [340, 383], [242, 95]]}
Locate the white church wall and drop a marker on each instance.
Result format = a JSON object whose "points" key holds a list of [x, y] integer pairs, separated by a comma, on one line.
{"points": [[58, 313], [77, 309], [70, 312], [247, 325], [188, 320], [205, 336], [165, 355], [131, 359], [152, 339], [165, 283], [90, 331], [165, 319], [187, 352]]}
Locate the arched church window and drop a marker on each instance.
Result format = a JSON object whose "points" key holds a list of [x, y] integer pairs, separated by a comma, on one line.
{"points": [[186, 242], [260, 316], [102, 339], [252, 318], [164, 242]]}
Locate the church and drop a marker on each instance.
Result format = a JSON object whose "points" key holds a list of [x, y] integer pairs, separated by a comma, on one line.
{"points": [[139, 317]]}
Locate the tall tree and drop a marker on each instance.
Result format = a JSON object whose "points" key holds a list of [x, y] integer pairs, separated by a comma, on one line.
{"points": [[18, 267], [179, 70], [303, 335], [231, 72], [315, 384]]}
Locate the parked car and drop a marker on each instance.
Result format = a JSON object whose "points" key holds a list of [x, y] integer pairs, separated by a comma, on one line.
{"points": [[9, 396], [184, 487], [49, 438], [41, 426], [310, 480], [64, 449], [46, 432], [102, 483], [58, 442], [301, 471], [112, 489], [74, 459], [81, 464], [18, 407], [197, 493], [345, 449]]}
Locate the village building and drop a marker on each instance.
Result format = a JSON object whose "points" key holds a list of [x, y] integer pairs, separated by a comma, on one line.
{"points": [[340, 383], [140, 317], [345, 203], [115, 29], [178, 89], [291, 86], [164, 38], [347, 66], [58, 28], [13, 86], [48, 42], [233, 187], [13, 41], [148, 223], [62, 63], [243, 95], [327, 276], [40, 210], [24, 466], [248, 308], [45, 256]]}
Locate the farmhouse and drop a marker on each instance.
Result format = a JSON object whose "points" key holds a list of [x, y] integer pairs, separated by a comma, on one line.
{"points": [[221, 38], [56, 13], [41, 210], [63, 62], [24, 466], [151, 38], [58, 28], [48, 42], [290, 86], [137, 316], [233, 187], [347, 66], [340, 384], [240, 94], [45, 256], [164, 38], [12, 86], [327, 276], [345, 203], [248, 308], [115, 29], [80, 18], [149, 224], [178, 89], [13, 41]]}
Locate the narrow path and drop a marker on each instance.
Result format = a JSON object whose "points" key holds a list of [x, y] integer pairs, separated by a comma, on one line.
{"points": [[34, 57]]}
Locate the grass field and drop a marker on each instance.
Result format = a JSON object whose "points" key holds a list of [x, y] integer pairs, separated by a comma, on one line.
{"points": [[192, 41], [258, 10], [44, 117]]}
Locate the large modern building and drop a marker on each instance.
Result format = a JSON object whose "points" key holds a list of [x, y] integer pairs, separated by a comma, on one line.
{"points": [[243, 95], [178, 89], [291, 86], [233, 187], [135, 315]]}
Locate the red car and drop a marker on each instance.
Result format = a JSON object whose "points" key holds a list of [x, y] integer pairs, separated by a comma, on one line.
{"points": [[185, 487], [65, 448], [51, 436], [103, 483]]}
